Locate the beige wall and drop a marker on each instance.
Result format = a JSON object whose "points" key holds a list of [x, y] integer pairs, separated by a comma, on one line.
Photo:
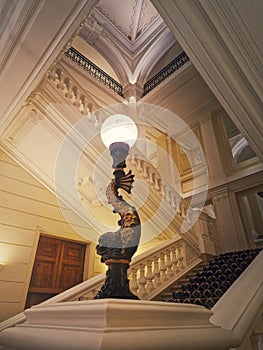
{"points": [[26, 210]]}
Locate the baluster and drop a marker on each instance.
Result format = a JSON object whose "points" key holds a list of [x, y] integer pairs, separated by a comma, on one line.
{"points": [[69, 86], [156, 182], [174, 261], [87, 296], [161, 191], [145, 172], [168, 263], [53, 74], [150, 178], [133, 284], [84, 103], [60, 80], [162, 268], [139, 166], [180, 258], [149, 277], [76, 102], [156, 272], [142, 282]]}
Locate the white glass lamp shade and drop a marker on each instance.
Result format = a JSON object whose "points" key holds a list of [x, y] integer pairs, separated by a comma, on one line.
{"points": [[119, 128]]}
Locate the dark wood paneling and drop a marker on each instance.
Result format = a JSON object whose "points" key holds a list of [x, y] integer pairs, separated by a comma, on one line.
{"points": [[44, 273], [49, 247], [58, 266]]}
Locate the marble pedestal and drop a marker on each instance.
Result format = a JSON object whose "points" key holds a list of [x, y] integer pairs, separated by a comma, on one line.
{"points": [[117, 324]]}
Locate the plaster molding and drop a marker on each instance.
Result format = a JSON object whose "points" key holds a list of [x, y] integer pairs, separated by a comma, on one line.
{"points": [[236, 35], [209, 50], [48, 49], [107, 96], [28, 117], [88, 324], [220, 194], [131, 61]]}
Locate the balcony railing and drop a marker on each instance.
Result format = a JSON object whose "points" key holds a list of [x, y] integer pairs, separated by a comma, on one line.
{"points": [[94, 70], [168, 70], [112, 84]]}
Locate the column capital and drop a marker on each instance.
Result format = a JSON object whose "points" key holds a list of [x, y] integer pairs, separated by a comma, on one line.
{"points": [[219, 194]]}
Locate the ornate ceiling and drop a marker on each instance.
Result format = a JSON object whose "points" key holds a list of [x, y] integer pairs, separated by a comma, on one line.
{"points": [[132, 39], [130, 17], [130, 35]]}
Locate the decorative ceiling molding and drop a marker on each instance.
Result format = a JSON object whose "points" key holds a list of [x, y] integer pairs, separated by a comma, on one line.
{"points": [[139, 14], [35, 47], [206, 34], [131, 61]]}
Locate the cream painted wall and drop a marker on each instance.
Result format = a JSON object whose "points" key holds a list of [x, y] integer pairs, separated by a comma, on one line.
{"points": [[26, 209]]}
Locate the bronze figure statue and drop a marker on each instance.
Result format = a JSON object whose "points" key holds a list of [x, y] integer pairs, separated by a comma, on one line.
{"points": [[117, 248]]}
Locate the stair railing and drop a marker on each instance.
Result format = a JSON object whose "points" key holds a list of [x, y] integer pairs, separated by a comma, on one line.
{"points": [[150, 273], [154, 270], [240, 309]]}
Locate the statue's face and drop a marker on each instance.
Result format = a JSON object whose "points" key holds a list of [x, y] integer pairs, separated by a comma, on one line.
{"points": [[129, 219]]}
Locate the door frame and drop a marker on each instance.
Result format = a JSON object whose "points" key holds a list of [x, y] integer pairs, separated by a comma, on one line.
{"points": [[88, 259]]}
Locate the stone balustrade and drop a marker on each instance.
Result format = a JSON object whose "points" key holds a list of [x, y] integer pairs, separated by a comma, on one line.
{"points": [[149, 274], [141, 167], [73, 93], [153, 270]]}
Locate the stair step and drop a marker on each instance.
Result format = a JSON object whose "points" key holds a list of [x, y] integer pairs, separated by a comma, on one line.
{"points": [[214, 292], [205, 292]]}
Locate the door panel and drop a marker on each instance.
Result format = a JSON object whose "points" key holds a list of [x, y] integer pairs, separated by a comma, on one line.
{"points": [[58, 266], [69, 276], [43, 275], [48, 247], [72, 251]]}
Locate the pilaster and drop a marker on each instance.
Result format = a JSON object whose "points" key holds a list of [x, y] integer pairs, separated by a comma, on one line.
{"points": [[210, 146], [216, 37], [227, 229]]}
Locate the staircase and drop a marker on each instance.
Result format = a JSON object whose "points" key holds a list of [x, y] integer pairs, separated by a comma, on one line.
{"points": [[238, 310], [150, 273], [206, 283], [174, 287]]}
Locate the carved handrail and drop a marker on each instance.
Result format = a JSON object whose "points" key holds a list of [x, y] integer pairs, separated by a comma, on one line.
{"points": [[155, 270], [94, 70], [144, 169], [173, 250], [243, 315], [150, 273], [163, 74]]}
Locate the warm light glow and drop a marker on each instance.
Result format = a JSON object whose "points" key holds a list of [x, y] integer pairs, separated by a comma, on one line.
{"points": [[119, 128]]}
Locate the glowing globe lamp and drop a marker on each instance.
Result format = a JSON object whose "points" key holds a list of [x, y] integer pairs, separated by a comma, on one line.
{"points": [[119, 128], [119, 133]]}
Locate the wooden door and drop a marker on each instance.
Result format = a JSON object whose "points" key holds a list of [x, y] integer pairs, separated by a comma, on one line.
{"points": [[58, 266]]}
